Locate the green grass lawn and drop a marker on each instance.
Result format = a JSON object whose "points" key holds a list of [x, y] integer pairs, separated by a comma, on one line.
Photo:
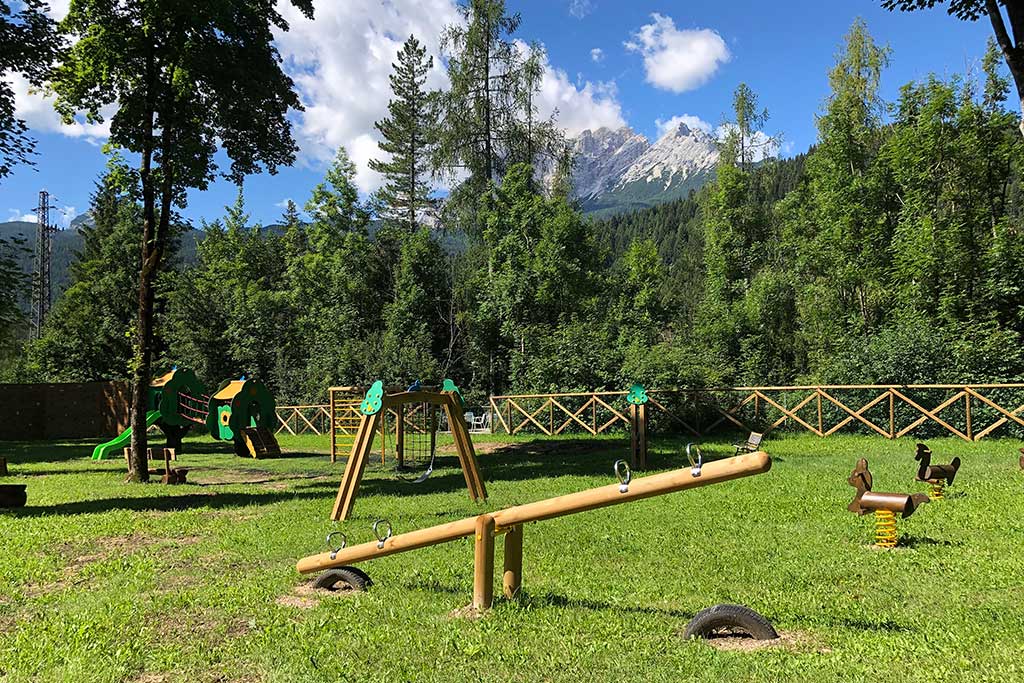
{"points": [[106, 581]]}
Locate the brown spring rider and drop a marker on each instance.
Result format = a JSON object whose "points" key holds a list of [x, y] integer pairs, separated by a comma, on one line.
{"points": [[1021, 461], [884, 505], [938, 476]]}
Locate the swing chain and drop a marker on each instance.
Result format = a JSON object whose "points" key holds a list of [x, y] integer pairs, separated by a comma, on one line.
{"points": [[623, 474], [376, 532], [344, 542]]}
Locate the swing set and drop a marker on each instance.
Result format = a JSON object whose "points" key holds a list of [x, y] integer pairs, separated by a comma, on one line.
{"points": [[411, 414]]}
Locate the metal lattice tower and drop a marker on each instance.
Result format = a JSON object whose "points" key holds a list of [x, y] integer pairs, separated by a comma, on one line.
{"points": [[41, 295]]}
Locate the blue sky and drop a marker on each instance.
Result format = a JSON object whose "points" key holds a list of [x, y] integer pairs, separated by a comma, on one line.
{"points": [[657, 60]]}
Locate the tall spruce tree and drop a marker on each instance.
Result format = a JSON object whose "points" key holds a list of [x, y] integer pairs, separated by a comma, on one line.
{"points": [[408, 136]]}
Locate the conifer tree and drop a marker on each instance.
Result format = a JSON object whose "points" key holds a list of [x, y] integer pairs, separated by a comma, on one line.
{"points": [[407, 139]]}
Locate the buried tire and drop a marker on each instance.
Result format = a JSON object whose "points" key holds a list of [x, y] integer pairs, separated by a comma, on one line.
{"points": [[729, 619], [343, 579]]}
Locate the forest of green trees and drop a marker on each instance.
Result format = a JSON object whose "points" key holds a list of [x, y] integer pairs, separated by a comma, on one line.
{"points": [[890, 252]]}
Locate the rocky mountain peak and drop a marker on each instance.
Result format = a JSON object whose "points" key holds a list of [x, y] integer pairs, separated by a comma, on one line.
{"points": [[620, 167]]}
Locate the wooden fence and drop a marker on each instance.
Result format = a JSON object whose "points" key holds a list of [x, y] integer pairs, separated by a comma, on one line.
{"points": [[312, 419], [970, 412]]}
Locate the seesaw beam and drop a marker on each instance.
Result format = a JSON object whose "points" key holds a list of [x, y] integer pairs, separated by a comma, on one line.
{"points": [[511, 518]]}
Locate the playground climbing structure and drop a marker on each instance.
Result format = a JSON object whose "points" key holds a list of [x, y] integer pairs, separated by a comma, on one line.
{"points": [[241, 411]]}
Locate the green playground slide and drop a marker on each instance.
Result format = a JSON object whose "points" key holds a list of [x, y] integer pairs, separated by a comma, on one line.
{"points": [[104, 449]]}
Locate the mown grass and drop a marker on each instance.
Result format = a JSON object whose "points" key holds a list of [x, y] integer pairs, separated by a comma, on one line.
{"points": [[106, 581]]}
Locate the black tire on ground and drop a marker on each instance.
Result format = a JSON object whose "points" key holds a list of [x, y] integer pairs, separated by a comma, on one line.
{"points": [[731, 617], [343, 579]]}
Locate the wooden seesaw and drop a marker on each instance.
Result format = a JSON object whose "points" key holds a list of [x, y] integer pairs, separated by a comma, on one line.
{"points": [[509, 522]]}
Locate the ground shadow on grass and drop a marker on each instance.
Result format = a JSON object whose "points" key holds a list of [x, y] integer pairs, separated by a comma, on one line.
{"points": [[31, 452], [526, 599], [924, 541], [524, 461], [556, 600], [57, 471], [886, 626], [38, 452], [168, 503]]}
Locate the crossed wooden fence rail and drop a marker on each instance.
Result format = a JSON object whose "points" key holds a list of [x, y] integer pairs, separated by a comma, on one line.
{"points": [[970, 412], [311, 419]]}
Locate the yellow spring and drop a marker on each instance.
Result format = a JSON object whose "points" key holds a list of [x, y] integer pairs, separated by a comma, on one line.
{"points": [[936, 492], [885, 528]]}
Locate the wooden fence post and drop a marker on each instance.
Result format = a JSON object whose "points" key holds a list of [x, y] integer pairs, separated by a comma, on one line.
{"points": [[821, 427], [967, 409], [892, 415]]}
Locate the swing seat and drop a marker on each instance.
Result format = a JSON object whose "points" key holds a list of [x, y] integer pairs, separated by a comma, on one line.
{"points": [[420, 479]]}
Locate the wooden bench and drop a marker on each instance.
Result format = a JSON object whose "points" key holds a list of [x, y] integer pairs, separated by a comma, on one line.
{"points": [[752, 444]]}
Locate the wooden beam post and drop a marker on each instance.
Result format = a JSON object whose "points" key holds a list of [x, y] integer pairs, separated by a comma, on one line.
{"points": [[638, 436], [383, 431], [400, 435], [433, 429], [334, 447], [464, 448], [354, 467], [512, 578], [483, 563]]}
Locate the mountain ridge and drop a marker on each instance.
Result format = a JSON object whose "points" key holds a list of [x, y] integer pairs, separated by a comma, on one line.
{"points": [[620, 169]]}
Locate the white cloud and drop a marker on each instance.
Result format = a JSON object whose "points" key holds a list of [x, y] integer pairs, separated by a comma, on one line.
{"points": [[580, 8], [678, 60], [597, 54], [17, 215], [58, 9], [341, 62], [692, 122], [37, 111], [580, 106], [67, 214]]}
